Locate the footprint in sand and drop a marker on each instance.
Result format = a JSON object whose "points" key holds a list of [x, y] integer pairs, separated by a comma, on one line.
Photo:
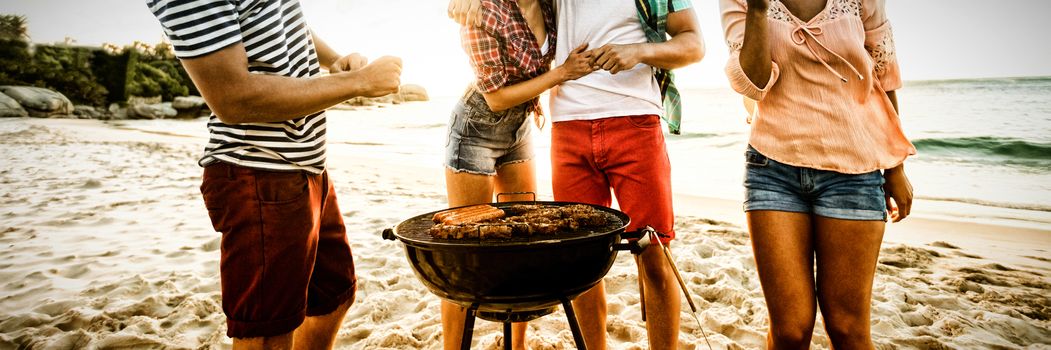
{"points": [[212, 245], [92, 183], [941, 244]]}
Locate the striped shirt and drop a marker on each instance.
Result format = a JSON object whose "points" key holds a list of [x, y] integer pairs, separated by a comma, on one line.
{"points": [[277, 41]]}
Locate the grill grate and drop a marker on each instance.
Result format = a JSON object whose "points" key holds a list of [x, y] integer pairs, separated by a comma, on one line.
{"points": [[416, 228]]}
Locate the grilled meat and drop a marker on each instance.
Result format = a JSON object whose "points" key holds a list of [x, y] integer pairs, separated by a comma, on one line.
{"points": [[520, 220]]}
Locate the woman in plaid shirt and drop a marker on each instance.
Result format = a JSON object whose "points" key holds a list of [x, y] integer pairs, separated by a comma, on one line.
{"points": [[489, 148]]}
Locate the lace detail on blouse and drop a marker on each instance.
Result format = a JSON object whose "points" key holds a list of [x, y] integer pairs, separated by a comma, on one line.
{"points": [[838, 8], [780, 13], [882, 52], [842, 8], [734, 46]]}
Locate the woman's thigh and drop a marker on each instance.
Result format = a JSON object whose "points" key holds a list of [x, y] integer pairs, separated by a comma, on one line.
{"points": [[847, 251], [464, 188], [516, 177], [783, 245]]}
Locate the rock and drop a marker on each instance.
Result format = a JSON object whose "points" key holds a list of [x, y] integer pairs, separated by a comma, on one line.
{"points": [[139, 100], [116, 112], [359, 101], [152, 111], [39, 102], [383, 99], [188, 102], [9, 108], [86, 112], [190, 107], [412, 92]]}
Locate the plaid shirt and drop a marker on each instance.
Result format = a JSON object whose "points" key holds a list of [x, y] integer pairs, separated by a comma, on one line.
{"points": [[503, 50], [654, 17]]}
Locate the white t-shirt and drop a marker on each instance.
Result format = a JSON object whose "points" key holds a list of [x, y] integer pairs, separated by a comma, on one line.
{"points": [[601, 94]]}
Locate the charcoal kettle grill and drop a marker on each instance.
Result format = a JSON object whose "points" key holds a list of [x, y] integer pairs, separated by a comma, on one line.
{"points": [[517, 279]]}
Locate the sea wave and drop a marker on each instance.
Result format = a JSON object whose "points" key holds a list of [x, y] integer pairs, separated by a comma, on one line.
{"points": [[986, 147], [988, 203], [980, 81]]}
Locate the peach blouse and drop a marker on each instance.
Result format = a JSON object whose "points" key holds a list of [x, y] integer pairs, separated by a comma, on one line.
{"points": [[825, 106]]}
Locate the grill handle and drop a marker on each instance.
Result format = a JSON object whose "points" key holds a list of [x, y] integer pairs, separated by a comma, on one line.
{"points": [[388, 234], [637, 242], [498, 195]]}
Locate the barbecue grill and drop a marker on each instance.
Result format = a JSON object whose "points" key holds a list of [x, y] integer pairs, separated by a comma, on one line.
{"points": [[517, 279]]}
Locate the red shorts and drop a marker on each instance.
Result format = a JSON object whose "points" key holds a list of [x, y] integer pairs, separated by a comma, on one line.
{"points": [[285, 253], [627, 154]]}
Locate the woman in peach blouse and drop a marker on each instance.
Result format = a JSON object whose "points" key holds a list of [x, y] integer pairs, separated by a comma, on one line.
{"points": [[825, 157]]}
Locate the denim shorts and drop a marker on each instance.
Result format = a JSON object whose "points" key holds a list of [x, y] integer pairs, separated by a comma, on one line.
{"points": [[480, 140], [772, 185]]}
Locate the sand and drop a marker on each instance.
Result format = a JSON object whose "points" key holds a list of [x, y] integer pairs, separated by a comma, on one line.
{"points": [[107, 245]]}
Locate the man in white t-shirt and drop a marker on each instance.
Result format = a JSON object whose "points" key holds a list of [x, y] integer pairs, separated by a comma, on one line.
{"points": [[607, 136]]}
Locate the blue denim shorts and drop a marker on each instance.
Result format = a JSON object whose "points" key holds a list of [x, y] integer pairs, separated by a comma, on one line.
{"points": [[772, 185], [480, 140]]}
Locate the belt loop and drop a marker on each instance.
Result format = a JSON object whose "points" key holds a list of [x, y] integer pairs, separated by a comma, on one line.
{"points": [[230, 171]]}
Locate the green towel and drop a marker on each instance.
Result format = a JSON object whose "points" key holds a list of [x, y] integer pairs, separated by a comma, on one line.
{"points": [[654, 17]]}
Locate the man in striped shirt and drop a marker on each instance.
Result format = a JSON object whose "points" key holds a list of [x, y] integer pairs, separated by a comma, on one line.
{"points": [[286, 267]]}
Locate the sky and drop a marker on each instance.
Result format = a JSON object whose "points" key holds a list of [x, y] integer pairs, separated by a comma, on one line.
{"points": [[936, 39]]}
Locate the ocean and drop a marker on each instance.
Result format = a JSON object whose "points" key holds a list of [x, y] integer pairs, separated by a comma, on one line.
{"points": [[984, 145]]}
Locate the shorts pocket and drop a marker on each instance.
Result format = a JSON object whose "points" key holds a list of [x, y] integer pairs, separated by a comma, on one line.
{"points": [[280, 187], [476, 110], [487, 117], [753, 158], [645, 121]]}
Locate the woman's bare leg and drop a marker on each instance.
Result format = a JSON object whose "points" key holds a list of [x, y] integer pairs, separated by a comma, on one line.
{"points": [[846, 264], [462, 189], [517, 177], [783, 246]]}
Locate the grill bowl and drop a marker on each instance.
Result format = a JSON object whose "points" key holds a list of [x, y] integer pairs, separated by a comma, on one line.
{"points": [[519, 274]]}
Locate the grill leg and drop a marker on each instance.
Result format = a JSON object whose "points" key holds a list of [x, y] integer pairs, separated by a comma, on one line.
{"points": [[468, 328], [507, 335], [573, 326]]}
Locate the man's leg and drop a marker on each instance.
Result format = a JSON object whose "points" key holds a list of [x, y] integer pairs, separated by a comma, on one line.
{"points": [[269, 222], [319, 332], [576, 178], [640, 172], [663, 299], [332, 282]]}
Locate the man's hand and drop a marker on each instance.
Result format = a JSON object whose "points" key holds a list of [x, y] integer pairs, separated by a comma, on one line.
{"points": [[616, 58], [577, 65], [466, 12], [898, 190], [380, 78], [348, 63]]}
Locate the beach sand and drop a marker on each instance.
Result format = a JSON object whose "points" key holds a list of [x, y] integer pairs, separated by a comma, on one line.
{"points": [[107, 245]]}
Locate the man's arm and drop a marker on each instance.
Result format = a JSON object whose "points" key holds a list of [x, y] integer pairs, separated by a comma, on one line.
{"points": [[332, 60], [685, 47], [237, 96]]}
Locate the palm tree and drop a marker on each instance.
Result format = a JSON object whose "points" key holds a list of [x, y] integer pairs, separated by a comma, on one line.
{"points": [[14, 27]]}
